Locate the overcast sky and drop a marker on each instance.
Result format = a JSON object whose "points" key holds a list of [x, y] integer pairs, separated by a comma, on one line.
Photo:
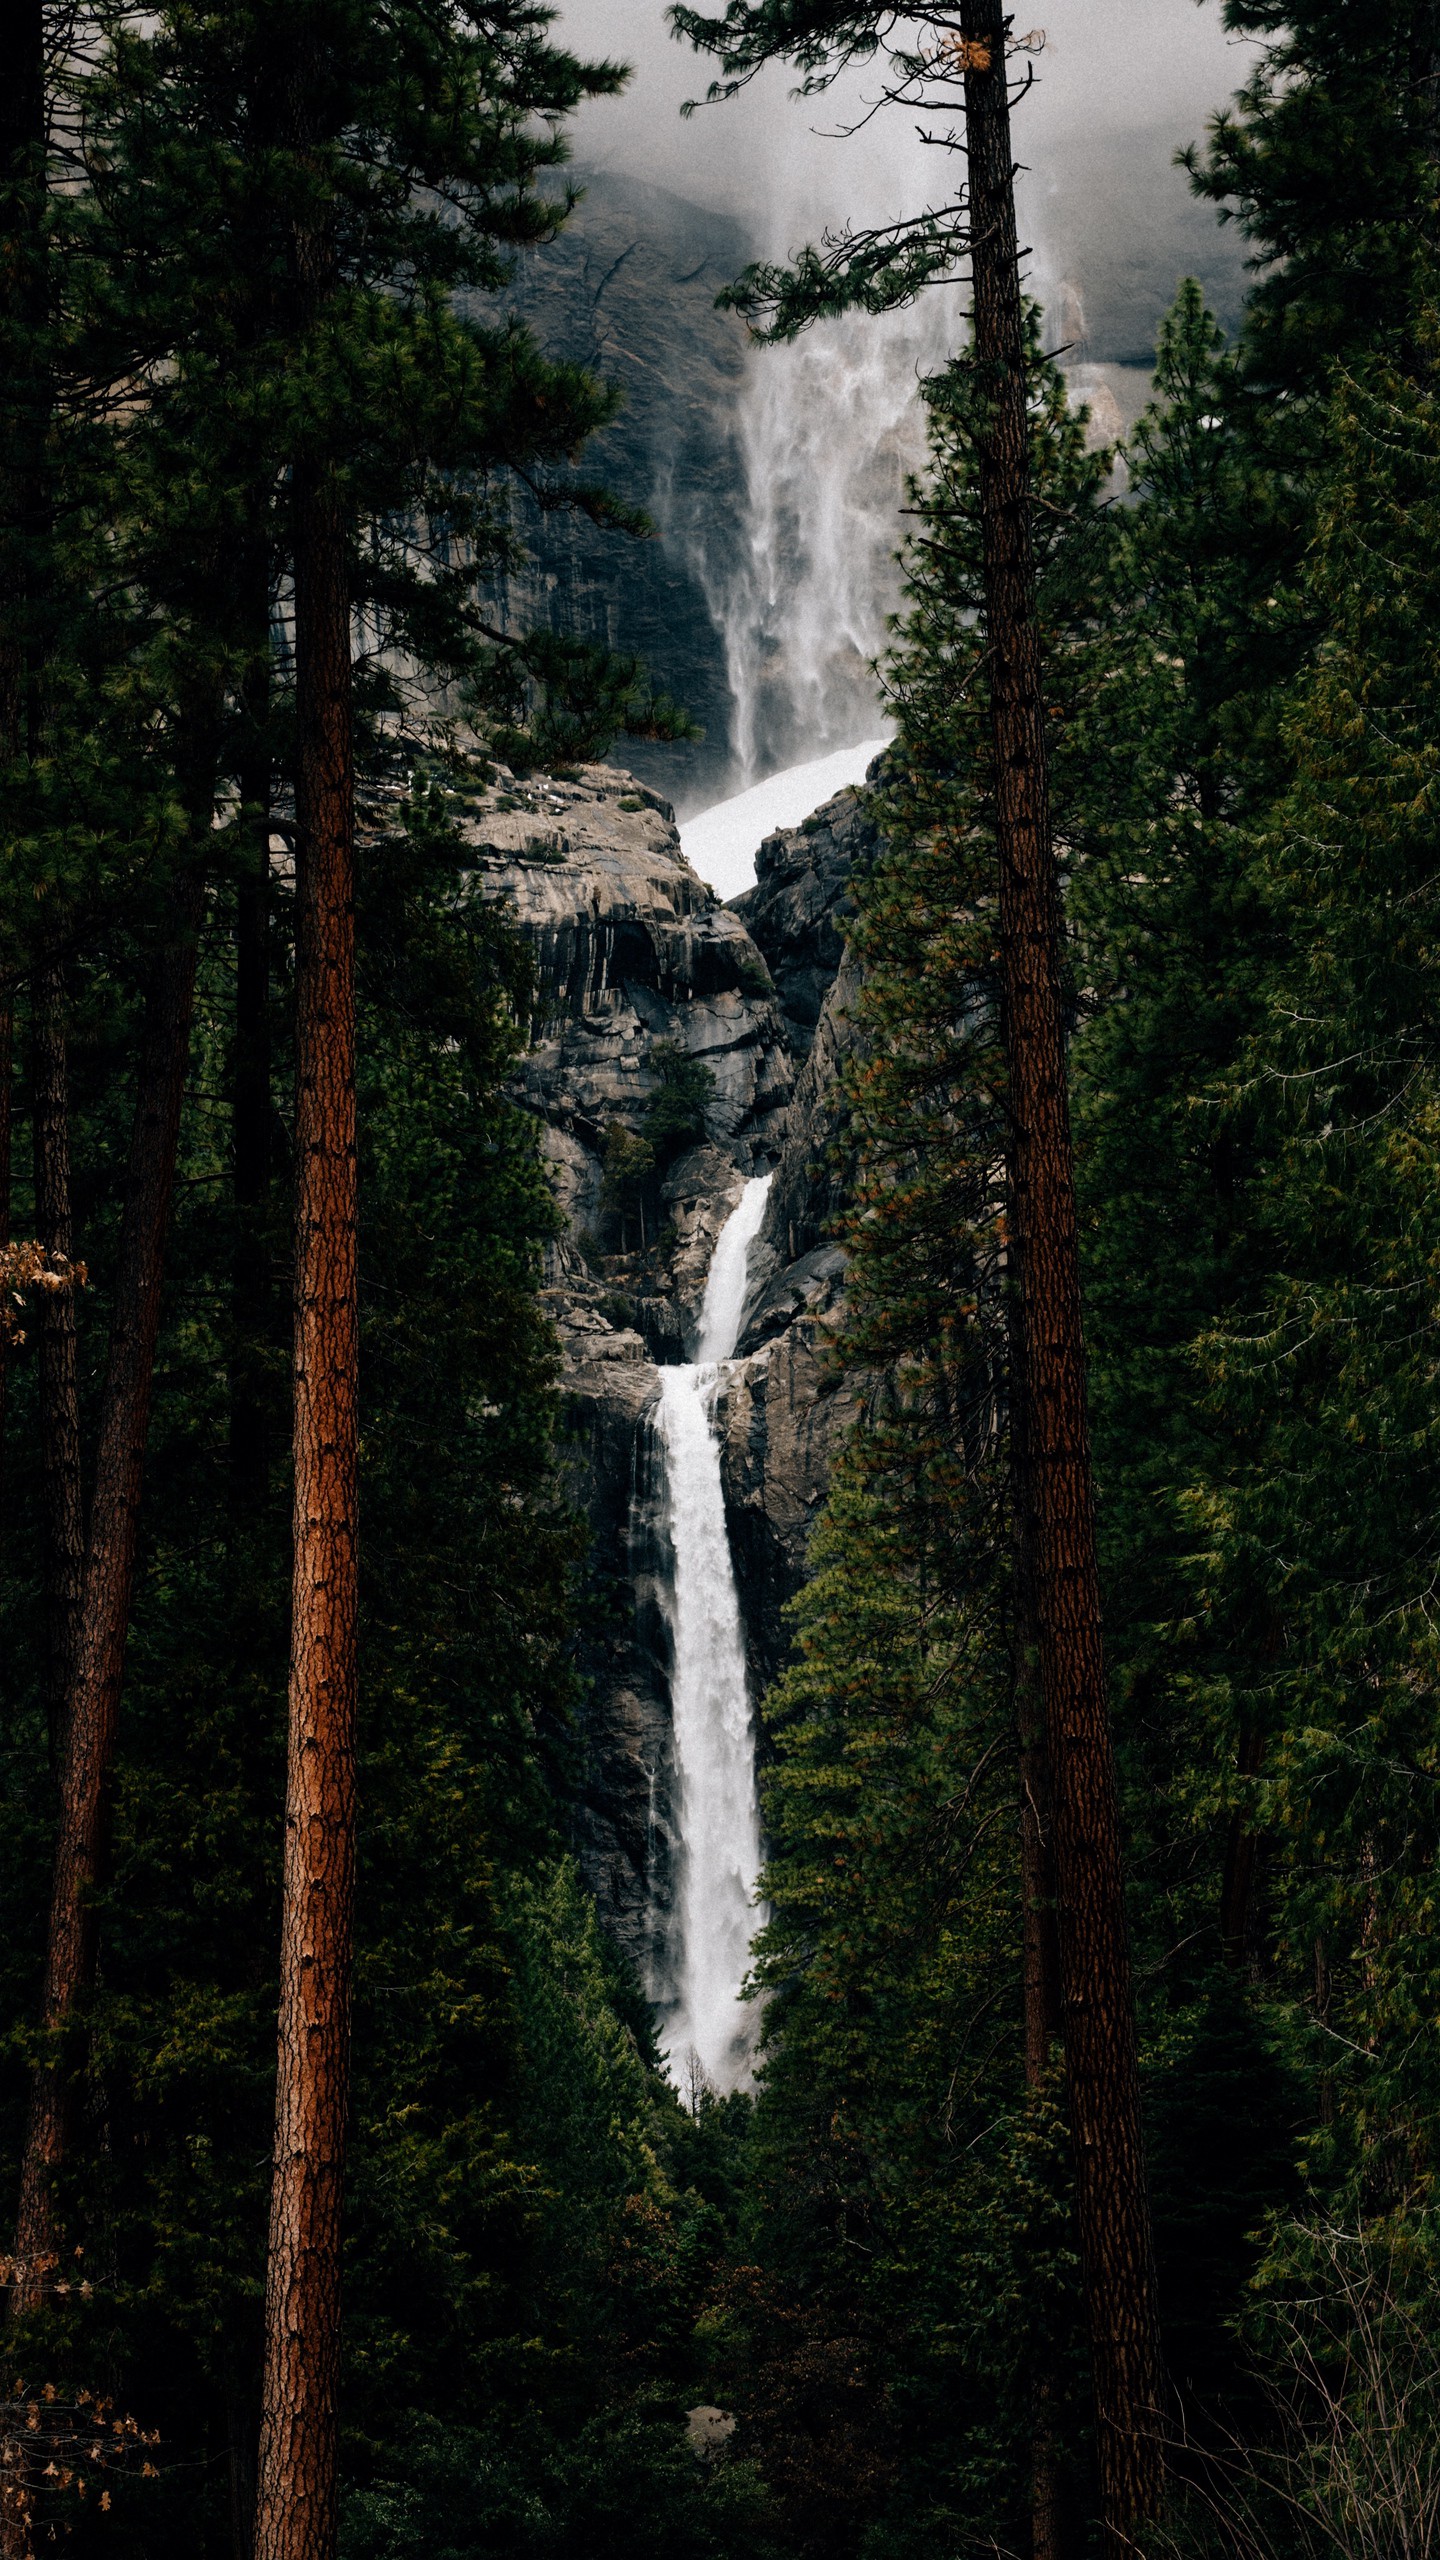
{"points": [[1109, 68]]}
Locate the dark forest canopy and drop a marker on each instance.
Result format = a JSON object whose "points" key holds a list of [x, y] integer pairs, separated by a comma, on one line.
{"points": [[872, 2260]]}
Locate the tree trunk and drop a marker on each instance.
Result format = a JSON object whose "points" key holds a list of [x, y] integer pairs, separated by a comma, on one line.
{"points": [[296, 2518], [88, 1739], [1102, 2074], [62, 1497]]}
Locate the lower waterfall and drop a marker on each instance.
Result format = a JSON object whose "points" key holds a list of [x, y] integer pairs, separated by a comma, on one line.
{"points": [[718, 1810]]}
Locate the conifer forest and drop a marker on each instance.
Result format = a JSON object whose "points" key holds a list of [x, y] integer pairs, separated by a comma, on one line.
{"points": [[719, 1613]]}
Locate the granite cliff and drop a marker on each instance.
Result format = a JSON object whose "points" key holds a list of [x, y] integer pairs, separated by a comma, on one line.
{"points": [[629, 289], [642, 977]]}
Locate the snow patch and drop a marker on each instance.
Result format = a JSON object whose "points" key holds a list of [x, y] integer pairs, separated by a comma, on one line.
{"points": [[721, 843]]}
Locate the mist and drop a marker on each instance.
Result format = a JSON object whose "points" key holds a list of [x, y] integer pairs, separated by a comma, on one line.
{"points": [[1120, 86], [791, 540]]}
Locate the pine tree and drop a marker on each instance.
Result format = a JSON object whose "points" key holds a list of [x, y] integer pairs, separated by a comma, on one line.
{"points": [[1325, 1506], [1054, 1500], [257, 272], [1328, 160]]}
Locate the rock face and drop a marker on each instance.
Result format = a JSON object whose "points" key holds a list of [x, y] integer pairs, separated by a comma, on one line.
{"points": [[629, 289], [797, 909], [788, 1401], [641, 976]]}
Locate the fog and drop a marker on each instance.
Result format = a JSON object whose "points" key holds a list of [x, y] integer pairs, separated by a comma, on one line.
{"points": [[1120, 85], [795, 546]]}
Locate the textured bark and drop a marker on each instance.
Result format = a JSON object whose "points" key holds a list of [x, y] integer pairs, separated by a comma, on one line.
{"points": [[61, 1493], [1102, 2078], [296, 2515], [88, 1738]]}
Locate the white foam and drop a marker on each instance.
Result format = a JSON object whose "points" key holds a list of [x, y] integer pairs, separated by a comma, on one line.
{"points": [[722, 843]]}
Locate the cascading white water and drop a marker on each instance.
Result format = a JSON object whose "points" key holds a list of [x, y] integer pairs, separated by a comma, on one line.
{"points": [[718, 1807], [830, 429]]}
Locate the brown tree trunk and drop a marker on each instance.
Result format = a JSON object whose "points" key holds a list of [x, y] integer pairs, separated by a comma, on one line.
{"points": [[296, 2513], [88, 1737], [1102, 2076], [62, 1497]]}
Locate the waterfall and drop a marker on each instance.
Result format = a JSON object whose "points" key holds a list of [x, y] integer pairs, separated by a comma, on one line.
{"points": [[831, 428], [717, 1809]]}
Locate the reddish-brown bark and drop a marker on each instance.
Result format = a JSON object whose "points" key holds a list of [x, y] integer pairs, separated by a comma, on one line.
{"points": [[296, 2505], [1102, 2078], [87, 1745], [62, 1497]]}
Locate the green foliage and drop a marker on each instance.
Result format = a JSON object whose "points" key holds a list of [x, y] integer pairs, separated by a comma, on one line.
{"points": [[909, 2195], [1325, 1509], [465, 1691], [629, 1165], [1173, 629], [623, 2489], [1327, 160], [549, 700], [675, 1112], [872, 2264]]}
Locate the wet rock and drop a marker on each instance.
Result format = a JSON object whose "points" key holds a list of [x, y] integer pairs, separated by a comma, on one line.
{"points": [[632, 954], [629, 289], [797, 910], [637, 964], [789, 1400]]}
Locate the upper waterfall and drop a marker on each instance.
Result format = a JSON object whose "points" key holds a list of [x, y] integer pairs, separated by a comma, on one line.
{"points": [[831, 430]]}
